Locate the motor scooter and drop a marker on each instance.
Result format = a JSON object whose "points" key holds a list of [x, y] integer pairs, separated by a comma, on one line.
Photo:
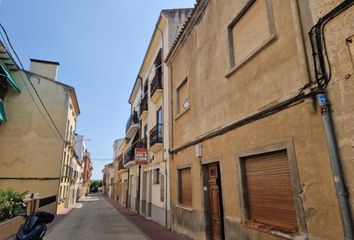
{"points": [[35, 225]]}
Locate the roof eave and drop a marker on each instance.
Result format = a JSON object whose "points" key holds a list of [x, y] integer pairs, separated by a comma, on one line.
{"points": [[187, 28]]}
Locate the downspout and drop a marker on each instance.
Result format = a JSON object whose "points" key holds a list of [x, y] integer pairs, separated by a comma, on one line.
{"points": [[170, 136], [139, 169], [127, 196], [342, 195], [163, 109], [322, 77], [138, 195]]}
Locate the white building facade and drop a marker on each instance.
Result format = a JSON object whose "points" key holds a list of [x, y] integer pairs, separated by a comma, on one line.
{"points": [[148, 184]]}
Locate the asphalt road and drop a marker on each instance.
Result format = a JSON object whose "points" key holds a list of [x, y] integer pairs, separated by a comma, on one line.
{"points": [[96, 219]]}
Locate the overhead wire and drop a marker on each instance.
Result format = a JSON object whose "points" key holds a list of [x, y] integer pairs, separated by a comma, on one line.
{"points": [[24, 82], [34, 88]]}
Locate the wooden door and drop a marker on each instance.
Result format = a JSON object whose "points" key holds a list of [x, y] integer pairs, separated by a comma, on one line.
{"points": [[215, 202]]}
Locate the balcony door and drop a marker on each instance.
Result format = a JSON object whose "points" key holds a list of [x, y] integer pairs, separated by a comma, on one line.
{"points": [[159, 118], [159, 122]]}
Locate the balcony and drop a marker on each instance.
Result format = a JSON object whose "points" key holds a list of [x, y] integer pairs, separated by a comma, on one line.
{"points": [[120, 165], [144, 107], [132, 126], [156, 87], [156, 138], [129, 157]]}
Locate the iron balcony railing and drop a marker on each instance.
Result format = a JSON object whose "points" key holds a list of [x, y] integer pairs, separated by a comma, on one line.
{"points": [[156, 134], [144, 104], [130, 154], [120, 165], [156, 83], [143, 142], [133, 119]]}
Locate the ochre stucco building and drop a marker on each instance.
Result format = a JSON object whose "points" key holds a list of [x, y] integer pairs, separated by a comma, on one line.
{"points": [[249, 156], [31, 149]]}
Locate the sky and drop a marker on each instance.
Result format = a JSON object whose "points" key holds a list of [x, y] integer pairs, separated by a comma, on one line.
{"points": [[100, 45]]}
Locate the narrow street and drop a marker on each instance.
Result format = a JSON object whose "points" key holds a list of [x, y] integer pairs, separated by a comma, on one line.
{"points": [[97, 219]]}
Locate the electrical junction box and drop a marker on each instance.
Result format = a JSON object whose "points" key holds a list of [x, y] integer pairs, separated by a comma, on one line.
{"points": [[198, 150]]}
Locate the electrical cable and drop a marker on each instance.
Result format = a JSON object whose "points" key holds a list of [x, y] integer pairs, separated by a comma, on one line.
{"points": [[40, 111], [257, 116], [318, 45], [24, 82], [35, 90], [3, 38]]}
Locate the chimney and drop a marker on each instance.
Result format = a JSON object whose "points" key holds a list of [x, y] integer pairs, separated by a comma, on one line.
{"points": [[44, 68]]}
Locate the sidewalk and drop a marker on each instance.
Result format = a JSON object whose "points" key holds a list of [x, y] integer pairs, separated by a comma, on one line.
{"points": [[152, 229], [96, 220], [62, 214]]}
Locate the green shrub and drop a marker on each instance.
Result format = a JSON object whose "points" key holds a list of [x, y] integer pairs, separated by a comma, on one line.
{"points": [[95, 184], [10, 203]]}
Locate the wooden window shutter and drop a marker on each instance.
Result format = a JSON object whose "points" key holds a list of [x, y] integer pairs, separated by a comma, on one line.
{"points": [[185, 187], [269, 190]]}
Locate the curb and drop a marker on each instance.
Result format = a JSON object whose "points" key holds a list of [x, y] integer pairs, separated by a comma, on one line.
{"points": [[149, 227]]}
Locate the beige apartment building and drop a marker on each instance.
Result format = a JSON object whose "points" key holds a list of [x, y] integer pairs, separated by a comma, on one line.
{"points": [[108, 181], [122, 175], [83, 166], [132, 136], [249, 152], [69, 160], [153, 117], [87, 173], [75, 185], [31, 149], [144, 187], [117, 166]]}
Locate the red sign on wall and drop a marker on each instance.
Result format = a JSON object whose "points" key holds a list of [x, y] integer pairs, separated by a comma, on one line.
{"points": [[141, 156]]}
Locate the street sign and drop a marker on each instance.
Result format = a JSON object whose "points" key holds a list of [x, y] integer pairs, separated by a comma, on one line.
{"points": [[141, 156]]}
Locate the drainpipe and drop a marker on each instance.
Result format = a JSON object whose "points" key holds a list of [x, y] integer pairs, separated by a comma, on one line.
{"points": [[325, 109], [138, 194], [322, 77], [127, 196], [170, 139], [163, 142]]}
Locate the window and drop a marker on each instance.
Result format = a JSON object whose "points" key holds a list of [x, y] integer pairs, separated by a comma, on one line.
{"points": [[61, 192], [159, 118], [268, 190], [185, 187], [67, 129], [162, 188], [70, 134], [3, 86], [146, 87], [182, 96], [156, 176], [64, 157], [158, 62], [145, 132], [250, 31]]}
